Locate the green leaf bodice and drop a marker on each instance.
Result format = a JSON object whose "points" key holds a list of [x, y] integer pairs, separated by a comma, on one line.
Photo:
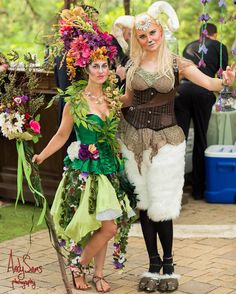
{"points": [[102, 134]]}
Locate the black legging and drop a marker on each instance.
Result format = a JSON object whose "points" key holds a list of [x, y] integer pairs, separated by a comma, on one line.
{"points": [[150, 230]]}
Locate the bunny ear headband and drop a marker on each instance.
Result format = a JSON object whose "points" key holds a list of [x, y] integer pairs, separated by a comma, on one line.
{"points": [[143, 21]]}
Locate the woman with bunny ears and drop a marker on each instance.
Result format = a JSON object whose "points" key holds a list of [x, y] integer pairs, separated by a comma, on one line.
{"points": [[151, 140]]}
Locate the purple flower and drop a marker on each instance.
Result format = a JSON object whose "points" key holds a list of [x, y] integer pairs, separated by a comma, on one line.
{"points": [[203, 49], [83, 176], [204, 17], [205, 33], [220, 71], [61, 242], [204, 2], [20, 99], [222, 19], [234, 93], [234, 51], [24, 98], [117, 264], [76, 249], [116, 245], [201, 63], [222, 3], [234, 1], [7, 110], [84, 153]]}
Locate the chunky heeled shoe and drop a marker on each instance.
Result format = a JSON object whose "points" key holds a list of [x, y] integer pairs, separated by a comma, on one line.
{"points": [[169, 280], [98, 281], [150, 280], [80, 273]]}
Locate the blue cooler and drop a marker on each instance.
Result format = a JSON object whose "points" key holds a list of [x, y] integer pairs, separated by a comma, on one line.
{"points": [[220, 165]]}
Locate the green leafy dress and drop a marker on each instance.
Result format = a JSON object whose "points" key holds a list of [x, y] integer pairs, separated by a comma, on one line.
{"points": [[92, 188]]}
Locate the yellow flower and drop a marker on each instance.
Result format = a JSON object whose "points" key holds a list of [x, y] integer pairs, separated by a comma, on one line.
{"points": [[2, 107], [66, 14], [115, 92], [113, 103], [99, 54], [92, 148], [78, 11]]}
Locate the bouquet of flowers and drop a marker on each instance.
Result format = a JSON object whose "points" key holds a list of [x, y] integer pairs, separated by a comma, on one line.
{"points": [[19, 120]]}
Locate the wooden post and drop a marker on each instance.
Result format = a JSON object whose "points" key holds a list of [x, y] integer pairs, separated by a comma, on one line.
{"points": [[58, 250], [36, 182], [126, 4]]}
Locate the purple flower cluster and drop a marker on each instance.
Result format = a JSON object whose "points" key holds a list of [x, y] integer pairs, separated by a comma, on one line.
{"points": [[61, 242], [117, 264], [85, 154], [69, 35], [222, 3], [20, 99], [204, 2], [204, 17], [234, 51], [116, 255], [76, 249]]}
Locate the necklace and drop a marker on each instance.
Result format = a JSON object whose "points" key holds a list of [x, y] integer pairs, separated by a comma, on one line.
{"points": [[96, 99]]}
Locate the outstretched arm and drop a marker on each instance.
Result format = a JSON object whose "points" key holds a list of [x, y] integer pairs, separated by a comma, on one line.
{"points": [[59, 139], [193, 74]]}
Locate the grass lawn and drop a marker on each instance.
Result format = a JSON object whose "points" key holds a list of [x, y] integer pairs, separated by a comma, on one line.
{"points": [[15, 222]]}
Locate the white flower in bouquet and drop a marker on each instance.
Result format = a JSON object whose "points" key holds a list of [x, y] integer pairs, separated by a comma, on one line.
{"points": [[19, 121], [11, 124], [121, 258], [2, 118], [73, 150], [76, 260]]}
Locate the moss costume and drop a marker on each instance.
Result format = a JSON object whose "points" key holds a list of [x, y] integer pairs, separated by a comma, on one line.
{"points": [[91, 191]]}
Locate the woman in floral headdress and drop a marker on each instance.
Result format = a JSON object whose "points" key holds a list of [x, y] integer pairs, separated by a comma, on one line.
{"points": [[90, 206], [151, 140]]}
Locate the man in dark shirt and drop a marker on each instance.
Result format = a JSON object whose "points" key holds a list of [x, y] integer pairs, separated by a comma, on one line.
{"points": [[194, 102]]}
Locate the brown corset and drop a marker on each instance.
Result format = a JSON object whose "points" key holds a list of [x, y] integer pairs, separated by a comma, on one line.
{"points": [[152, 109]]}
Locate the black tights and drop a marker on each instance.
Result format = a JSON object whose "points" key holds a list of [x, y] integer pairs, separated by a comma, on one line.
{"points": [[150, 230]]}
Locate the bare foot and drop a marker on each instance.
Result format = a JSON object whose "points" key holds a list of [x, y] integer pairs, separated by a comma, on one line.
{"points": [[79, 281], [101, 284]]}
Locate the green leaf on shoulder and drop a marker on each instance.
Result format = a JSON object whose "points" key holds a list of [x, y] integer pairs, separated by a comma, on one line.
{"points": [[84, 124]]}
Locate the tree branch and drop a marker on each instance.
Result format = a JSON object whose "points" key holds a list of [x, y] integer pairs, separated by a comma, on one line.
{"points": [[32, 8]]}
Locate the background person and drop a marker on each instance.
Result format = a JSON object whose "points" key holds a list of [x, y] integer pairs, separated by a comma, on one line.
{"points": [[195, 102]]}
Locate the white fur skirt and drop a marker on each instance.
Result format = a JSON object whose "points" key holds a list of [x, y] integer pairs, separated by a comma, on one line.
{"points": [[159, 187]]}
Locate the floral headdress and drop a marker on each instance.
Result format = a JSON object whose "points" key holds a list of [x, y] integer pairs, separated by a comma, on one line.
{"points": [[83, 40]]}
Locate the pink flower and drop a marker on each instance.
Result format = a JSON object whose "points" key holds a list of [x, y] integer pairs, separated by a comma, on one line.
{"points": [[201, 63], [106, 36], [64, 28], [220, 72], [17, 100], [35, 126], [80, 51]]}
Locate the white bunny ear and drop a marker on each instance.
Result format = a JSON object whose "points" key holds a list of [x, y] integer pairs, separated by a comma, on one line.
{"points": [[124, 21], [161, 6]]}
